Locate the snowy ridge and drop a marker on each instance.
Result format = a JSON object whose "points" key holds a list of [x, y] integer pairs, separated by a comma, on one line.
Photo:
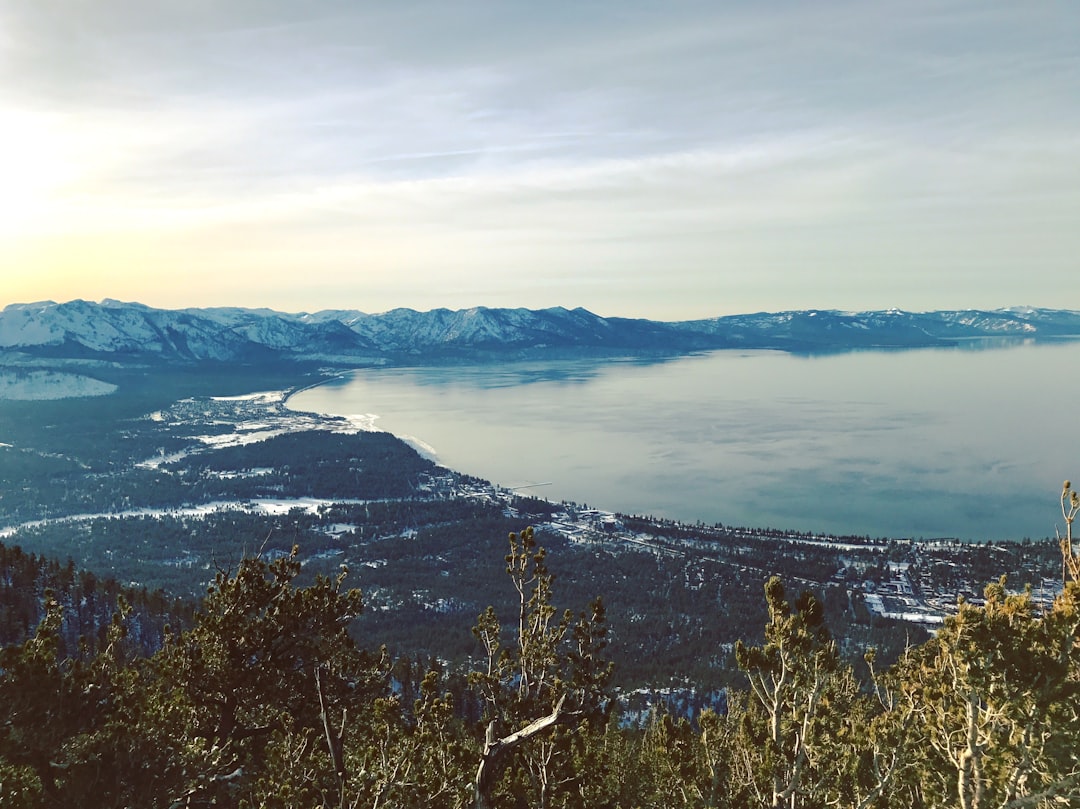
{"points": [[891, 327], [119, 331]]}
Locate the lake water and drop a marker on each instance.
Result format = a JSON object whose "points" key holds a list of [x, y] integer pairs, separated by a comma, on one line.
{"points": [[970, 442]]}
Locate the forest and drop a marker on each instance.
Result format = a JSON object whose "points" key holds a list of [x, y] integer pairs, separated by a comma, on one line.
{"points": [[267, 699]]}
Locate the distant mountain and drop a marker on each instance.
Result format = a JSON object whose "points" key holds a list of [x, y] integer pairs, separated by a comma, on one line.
{"points": [[480, 328], [117, 331], [892, 328]]}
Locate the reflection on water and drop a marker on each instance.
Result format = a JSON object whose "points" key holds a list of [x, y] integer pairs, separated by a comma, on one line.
{"points": [[933, 442], [513, 374]]}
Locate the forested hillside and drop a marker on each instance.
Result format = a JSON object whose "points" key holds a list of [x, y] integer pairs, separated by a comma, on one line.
{"points": [[88, 604], [269, 701]]}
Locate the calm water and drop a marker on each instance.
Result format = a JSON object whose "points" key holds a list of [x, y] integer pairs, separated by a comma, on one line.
{"points": [[968, 442]]}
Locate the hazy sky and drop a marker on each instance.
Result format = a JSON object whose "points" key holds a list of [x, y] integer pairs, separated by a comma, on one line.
{"points": [[656, 159]]}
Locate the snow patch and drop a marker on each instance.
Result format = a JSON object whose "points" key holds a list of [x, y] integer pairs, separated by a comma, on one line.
{"points": [[266, 397], [363, 422], [309, 505], [426, 450], [50, 385], [238, 439], [162, 459]]}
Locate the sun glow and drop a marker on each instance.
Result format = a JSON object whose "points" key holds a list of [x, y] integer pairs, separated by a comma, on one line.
{"points": [[36, 164]]}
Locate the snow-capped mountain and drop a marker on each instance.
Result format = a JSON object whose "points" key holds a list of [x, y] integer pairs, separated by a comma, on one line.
{"points": [[830, 329], [111, 328], [120, 331], [499, 329]]}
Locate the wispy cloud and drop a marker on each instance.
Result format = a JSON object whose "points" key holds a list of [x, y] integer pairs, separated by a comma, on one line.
{"points": [[665, 159]]}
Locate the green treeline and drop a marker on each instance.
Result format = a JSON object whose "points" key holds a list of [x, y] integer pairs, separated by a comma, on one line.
{"points": [[268, 699]]}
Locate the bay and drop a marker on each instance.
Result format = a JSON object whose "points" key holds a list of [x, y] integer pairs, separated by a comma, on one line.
{"points": [[971, 441]]}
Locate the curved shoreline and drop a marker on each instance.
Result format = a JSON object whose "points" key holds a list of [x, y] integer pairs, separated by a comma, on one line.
{"points": [[882, 444]]}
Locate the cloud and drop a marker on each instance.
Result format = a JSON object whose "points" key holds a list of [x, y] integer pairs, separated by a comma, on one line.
{"points": [[696, 155]]}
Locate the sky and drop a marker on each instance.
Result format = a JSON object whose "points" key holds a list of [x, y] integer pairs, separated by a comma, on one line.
{"points": [[669, 160]]}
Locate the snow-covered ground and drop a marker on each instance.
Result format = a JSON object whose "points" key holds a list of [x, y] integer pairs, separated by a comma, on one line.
{"points": [[263, 397], [269, 506], [254, 417], [48, 385], [876, 605], [241, 437]]}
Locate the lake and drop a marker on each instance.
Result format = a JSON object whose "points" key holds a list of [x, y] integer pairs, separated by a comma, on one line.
{"points": [[971, 441]]}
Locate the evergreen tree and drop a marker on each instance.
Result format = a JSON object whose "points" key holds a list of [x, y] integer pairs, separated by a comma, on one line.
{"points": [[541, 690], [799, 685], [997, 704]]}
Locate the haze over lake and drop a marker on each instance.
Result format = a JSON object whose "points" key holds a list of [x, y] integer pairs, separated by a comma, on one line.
{"points": [[970, 441]]}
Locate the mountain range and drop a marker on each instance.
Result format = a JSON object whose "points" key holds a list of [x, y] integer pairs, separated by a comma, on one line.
{"points": [[131, 332]]}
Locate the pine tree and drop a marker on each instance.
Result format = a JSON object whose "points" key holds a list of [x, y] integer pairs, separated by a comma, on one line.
{"points": [[539, 689]]}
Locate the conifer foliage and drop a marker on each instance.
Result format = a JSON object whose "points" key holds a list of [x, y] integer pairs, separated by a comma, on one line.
{"points": [[542, 690], [269, 701]]}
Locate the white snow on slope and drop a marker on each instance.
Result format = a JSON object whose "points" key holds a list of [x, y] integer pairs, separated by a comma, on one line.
{"points": [[263, 397], [43, 385], [273, 506]]}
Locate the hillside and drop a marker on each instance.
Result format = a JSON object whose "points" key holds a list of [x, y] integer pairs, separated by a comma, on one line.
{"points": [[86, 334]]}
